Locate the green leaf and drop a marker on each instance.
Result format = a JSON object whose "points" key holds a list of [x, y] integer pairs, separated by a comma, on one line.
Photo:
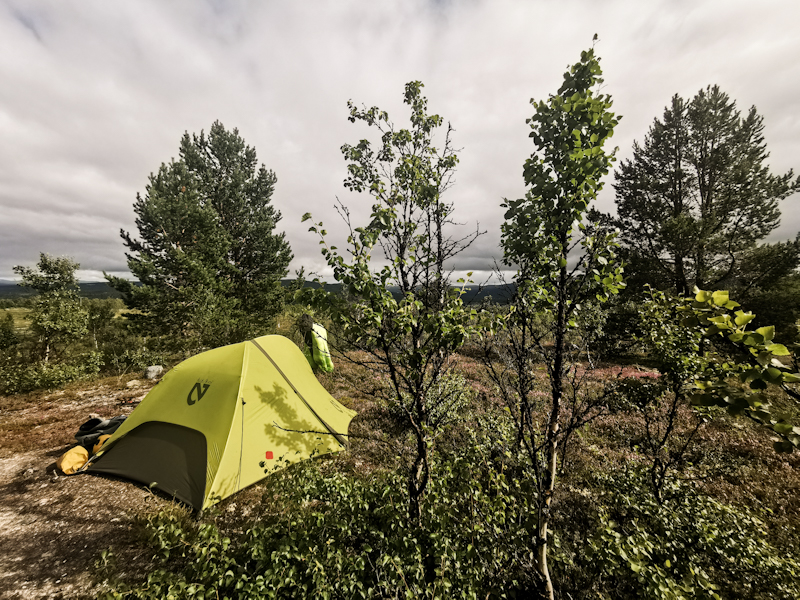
{"points": [[772, 374], [702, 296], [766, 332], [791, 377], [778, 349], [753, 339], [720, 297]]}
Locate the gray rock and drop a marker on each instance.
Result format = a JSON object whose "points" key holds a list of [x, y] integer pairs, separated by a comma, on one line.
{"points": [[153, 372]]}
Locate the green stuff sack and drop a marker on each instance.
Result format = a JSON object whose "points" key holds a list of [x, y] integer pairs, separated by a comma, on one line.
{"points": [[319, 348]]}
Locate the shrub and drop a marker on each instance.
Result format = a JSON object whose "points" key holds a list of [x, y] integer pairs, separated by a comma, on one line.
{"points": [[18, 378], [135, 358], [8, 334], [343, 536], [691, 546]]}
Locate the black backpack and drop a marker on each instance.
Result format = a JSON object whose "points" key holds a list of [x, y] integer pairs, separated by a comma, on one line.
{"points": [[89, 433]]}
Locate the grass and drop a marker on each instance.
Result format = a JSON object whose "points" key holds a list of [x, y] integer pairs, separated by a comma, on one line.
{"points": [[20, 316]]}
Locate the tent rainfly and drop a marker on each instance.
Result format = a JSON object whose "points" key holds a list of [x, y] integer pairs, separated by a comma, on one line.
{"points": [[203, 431]]}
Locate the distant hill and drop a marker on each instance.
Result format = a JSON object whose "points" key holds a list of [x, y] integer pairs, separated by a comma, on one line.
{"points": [[474, 295], [100, 289]]}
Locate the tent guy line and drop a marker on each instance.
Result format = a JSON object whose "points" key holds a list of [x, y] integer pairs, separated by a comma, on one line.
{"points": [[335, 434]]}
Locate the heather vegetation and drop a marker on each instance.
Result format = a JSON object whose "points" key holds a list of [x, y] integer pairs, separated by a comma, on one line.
{"points": [[586, 439]]}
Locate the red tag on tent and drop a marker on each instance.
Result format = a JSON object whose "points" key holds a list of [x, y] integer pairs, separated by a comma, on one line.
{"points": [[269, 454]]}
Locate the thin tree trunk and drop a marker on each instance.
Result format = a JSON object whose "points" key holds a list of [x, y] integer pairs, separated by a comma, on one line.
{"points": [[545, 500], [681, 285], [418, 479], [551, 443]]}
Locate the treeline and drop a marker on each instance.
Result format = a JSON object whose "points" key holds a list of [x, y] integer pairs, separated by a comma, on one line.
{"points": [[12, 295], [58, 336]]}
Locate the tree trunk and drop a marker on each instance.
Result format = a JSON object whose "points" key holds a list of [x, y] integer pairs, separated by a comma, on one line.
{"points": [[551, 442], [545, 499], [418, 480], [681, 285]]}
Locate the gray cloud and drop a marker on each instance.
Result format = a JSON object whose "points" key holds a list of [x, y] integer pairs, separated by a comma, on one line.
{"points": [[96, 95]]}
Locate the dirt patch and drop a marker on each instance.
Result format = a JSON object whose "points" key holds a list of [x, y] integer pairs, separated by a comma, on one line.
{"points": [[53, 528]]}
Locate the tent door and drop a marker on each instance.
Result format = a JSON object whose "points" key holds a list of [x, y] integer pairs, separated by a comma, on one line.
{"points": [[169, 457]]}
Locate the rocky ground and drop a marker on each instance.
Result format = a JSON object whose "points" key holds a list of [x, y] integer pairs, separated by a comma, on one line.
{"points": [[55, 530]]}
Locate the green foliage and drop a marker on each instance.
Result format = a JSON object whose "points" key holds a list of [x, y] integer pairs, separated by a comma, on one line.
{"points": [[714, 315], [690, 546], [132, 354], [620, 326], [680, 331], [208, 259], [8, 334], [563, 176], [334, 535], [697, 197], [663, 429], [449, 398], [17, 378], [778, 306], [56, 317], [54, 349], [676, 349], [100, 315], [410, 334]]}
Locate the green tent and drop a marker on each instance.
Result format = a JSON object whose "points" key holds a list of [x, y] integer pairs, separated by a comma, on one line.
{"points": [[202, 433]]}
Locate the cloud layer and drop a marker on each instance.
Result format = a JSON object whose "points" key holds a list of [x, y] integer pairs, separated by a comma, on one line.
{"points": [[96, 96]]}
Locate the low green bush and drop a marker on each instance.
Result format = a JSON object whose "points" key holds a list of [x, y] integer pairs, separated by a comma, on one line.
{"points": [[337, 535], [134, 358], [25, 377], [690, 546]]}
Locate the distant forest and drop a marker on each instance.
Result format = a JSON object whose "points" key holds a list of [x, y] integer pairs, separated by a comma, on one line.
{"points": [[475, 294]]}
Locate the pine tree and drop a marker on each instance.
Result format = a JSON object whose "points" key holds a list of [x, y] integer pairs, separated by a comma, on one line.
{"points": [[697, 197], [208, 259]]}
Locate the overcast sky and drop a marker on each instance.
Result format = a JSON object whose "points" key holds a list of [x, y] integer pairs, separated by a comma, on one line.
{"points": [[94, 96]]}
